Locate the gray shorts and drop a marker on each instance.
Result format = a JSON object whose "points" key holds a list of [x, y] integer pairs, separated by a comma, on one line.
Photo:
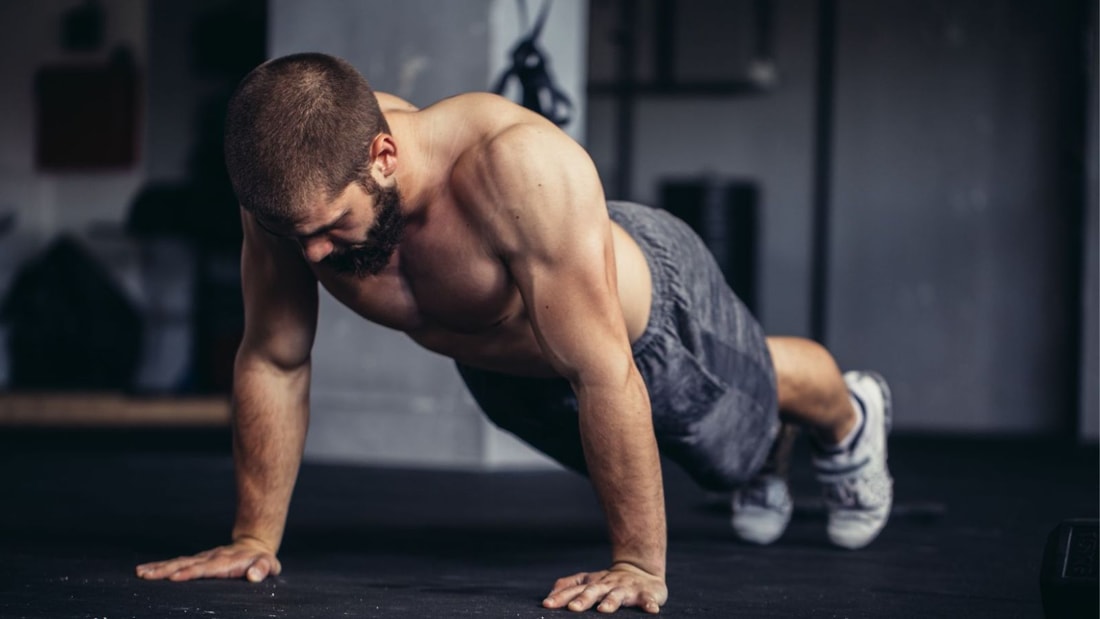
{"points": [[702, 355]]}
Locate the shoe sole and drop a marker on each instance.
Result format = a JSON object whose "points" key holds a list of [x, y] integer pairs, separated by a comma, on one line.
{"points": [[754, 535]]}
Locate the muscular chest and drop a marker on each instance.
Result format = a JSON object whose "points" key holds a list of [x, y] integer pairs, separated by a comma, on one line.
{"points": [[442, 279]]}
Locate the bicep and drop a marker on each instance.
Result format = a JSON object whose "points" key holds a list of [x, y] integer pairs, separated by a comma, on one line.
{"points": [[280, 300]]}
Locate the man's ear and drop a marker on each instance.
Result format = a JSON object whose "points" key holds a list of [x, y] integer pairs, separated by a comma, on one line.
{"points": [[383, 154]]}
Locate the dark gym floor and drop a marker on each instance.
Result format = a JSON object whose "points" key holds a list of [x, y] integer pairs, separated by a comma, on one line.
{"points": [[79, 510]]}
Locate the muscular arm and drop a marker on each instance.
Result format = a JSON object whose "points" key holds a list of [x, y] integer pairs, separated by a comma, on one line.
{"points": [[549, 221], [270, 410], [271, 382]]}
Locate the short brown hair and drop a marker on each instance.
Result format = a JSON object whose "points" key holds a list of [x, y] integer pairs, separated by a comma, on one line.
{"points": [[296, 125]]}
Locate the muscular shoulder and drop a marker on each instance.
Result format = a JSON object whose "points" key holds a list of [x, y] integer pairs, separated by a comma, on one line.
{"points": [[508, 163], [470, 103], [508, 140], [527, 177], [482, 108]]}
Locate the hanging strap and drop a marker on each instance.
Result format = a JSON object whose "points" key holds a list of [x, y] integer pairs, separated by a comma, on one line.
{"points": [[531, 67]]}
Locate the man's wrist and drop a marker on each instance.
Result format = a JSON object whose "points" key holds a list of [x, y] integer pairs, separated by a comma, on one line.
{"points": [[252, 539], [653, 568]]}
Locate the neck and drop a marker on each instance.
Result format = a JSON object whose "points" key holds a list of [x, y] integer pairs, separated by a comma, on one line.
{"points": [[421, 174]]}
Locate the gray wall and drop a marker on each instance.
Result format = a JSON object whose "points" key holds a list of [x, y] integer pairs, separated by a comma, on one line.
{"points": [[766, 138], [422, 50], [947, 264], [944, 246], [376, 396], [946, 225], [949, 269]]}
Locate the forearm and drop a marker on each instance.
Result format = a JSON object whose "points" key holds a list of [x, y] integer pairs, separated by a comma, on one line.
{"points": [[270, 417], [623, 462]]}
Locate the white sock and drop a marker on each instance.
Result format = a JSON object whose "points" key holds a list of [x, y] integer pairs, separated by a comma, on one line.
{"points": [[846, 442]]}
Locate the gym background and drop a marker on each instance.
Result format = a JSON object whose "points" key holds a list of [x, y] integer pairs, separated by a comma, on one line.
{"points": [[913, 183]]}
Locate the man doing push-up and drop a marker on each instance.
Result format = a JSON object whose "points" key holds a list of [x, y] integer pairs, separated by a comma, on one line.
{"points": [[602, 333]]}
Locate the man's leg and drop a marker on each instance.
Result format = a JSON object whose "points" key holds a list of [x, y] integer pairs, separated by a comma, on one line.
{"points": [[811, 389], [712, 376], [848, 417], [762, 507]]}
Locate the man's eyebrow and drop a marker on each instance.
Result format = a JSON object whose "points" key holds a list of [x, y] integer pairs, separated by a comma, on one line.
{"points": [[324, 228], [260, 223], [329, 226]]}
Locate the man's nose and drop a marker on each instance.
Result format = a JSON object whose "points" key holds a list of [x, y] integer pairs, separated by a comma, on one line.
{"points": [[316, 248]]}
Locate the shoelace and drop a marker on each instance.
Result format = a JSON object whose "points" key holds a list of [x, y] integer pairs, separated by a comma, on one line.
{"points": [[844, 492], [856, 492]]}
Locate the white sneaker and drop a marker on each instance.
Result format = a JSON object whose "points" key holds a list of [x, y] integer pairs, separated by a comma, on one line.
{"points": [[761, 509], [858, 488]]}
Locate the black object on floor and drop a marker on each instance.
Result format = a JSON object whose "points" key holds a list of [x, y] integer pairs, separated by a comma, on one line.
{"points": [[967, 540], [1069, 580]]}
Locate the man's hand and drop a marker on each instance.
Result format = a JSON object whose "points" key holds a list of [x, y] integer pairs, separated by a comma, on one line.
{"points": [[622, 585], [245, 557]]}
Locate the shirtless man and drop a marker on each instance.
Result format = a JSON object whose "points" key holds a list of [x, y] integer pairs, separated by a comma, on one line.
{"points": [[598, 332]]}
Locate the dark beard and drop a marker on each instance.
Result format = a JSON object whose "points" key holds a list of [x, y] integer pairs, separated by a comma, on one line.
{"points": [[382, 240]]}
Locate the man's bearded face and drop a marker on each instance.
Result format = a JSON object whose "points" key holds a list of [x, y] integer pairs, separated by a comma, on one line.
{"points": [[373, 254]]}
